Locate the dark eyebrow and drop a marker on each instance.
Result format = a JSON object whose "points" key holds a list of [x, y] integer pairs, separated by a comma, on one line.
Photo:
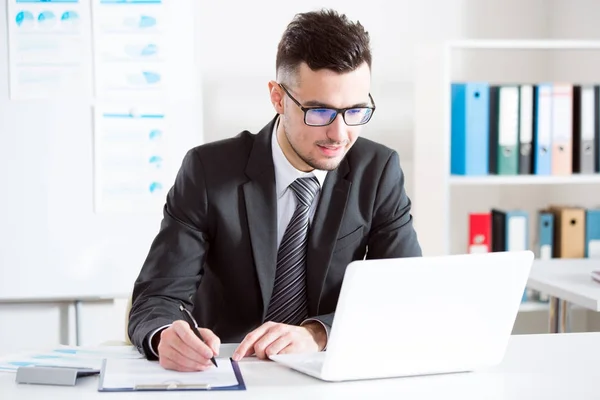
{"points": [[314, 103]]}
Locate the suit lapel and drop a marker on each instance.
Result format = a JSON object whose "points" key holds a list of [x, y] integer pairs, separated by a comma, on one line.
{"points": [[261, 208], [324, 231]]}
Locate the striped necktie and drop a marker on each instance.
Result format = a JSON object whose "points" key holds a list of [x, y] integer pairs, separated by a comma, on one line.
{"points": [[288, 303]]}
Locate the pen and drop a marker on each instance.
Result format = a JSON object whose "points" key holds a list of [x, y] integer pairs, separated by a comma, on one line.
{"points": [[187, 316]]}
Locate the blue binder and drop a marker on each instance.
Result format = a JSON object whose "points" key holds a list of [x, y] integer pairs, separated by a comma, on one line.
{"points": [[542, 132], [546, 235], [592, 233], [469, 146]]}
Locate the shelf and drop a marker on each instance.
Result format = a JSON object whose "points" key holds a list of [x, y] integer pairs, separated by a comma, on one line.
{"points": [[524, 180], [531, 306], [527, 44]]}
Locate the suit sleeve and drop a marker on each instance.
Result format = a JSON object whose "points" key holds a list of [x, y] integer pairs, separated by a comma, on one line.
{"points": [[173, 267], [392, 234]]}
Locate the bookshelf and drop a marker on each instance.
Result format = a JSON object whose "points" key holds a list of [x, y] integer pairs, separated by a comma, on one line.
{"points": [[435, 191], [524, 180]]}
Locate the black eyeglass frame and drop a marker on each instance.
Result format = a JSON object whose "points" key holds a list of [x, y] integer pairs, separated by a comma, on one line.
{"points": [[337, 110]]}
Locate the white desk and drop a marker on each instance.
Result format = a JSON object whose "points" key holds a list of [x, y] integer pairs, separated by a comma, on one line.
{"points": [[557, 366], [566, 282], [75, 297]]}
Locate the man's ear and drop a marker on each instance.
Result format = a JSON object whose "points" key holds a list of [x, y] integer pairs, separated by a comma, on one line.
{"points": [[277, 95]]}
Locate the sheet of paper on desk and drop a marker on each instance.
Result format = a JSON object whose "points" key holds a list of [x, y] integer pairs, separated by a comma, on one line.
{"points": [[69, 356], [127, 373], [48, 359], [99, 351]]}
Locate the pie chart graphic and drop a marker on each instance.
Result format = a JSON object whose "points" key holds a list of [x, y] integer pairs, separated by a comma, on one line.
{"points": [[144, 78], [149, 50], [147, 21], [155, 187], [151, 77], [155, 161], [69, 18], [141, 22], [141, 51], [24, 19], [46, 19], [155, 134]]}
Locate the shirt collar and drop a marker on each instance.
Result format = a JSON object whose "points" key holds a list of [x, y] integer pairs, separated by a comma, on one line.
{"points": [[285, 173]]}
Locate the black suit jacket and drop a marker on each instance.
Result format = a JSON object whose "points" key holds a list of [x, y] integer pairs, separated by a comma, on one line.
{"points": [[216, 247]]}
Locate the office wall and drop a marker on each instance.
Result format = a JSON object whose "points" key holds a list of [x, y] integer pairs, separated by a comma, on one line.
{"points": [[237, 54]]}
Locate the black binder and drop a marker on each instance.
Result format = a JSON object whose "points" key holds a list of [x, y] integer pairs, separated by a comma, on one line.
{"points": [[498, 230], [493, 125], [585, 134]]}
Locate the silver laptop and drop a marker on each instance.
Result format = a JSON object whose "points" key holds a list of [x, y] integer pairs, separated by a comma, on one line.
{"points": [[420, 316]]}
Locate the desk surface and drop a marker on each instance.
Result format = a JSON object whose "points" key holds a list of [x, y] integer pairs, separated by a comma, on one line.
{"points": [[557, 366], [568, 280]]}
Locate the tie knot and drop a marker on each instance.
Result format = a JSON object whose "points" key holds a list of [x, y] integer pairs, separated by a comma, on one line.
{"points": [[306, 189]]}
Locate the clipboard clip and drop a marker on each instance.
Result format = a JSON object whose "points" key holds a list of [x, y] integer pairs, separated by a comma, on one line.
{"points": [[172, 386]]}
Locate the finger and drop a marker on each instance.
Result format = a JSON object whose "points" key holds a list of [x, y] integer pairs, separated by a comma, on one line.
{"points": [[267, 339], [193, 343], [211, 340], [281, 343], [172, 347], [246, 347], [289, 349]]}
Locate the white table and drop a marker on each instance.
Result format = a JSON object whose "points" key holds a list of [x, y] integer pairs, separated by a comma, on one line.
{"points": [[77, 298], [567, 282], [557, 366]]}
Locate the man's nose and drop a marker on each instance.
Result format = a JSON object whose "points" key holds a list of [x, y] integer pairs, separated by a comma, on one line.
{"points": [[337, 130]]}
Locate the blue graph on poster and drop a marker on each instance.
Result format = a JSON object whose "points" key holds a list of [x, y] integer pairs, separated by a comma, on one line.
{"points": [[69, 16], [138, 51], [24, 18], [155, 187], [144, 78], [151, 77], [46, 17], [156, 161], [155, 134], [143, 22]]}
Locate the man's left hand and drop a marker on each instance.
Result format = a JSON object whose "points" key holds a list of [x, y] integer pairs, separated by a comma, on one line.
{"points": [[275, 338]]}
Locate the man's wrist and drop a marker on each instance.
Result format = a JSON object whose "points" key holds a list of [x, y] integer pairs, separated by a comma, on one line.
{"points": [[318, 333], [154, 339]]}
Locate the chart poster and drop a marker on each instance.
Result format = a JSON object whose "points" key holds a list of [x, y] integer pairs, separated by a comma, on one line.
{"points": [[131, 153], [130, 49], [48, 55]]}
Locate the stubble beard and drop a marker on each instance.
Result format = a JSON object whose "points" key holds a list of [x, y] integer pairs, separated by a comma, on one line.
{"points": [[326, 165]]}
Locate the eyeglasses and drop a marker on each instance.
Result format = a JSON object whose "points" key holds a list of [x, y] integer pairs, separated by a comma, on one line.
{"points": [[323, 116]]}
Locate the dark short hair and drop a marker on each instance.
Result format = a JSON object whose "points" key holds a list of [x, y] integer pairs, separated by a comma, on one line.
{"points": [[323, 40]]}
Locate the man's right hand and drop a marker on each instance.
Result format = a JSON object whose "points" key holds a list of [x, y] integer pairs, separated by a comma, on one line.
{"points": [[180, 349]]}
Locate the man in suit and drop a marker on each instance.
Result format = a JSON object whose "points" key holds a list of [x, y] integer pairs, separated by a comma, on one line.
{"points": [[259, 228]]}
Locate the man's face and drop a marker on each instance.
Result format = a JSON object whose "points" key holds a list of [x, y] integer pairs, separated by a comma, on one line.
{"points": [[321, 147]]}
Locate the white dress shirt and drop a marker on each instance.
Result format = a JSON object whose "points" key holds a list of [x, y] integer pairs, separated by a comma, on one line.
{"points": [[285, 174]]}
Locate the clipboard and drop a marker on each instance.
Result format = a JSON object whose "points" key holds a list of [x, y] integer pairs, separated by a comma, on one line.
{"points": [[159, 379]]}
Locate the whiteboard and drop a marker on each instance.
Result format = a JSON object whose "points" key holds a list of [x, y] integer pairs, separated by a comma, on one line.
{"points": [[53, 245]]}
